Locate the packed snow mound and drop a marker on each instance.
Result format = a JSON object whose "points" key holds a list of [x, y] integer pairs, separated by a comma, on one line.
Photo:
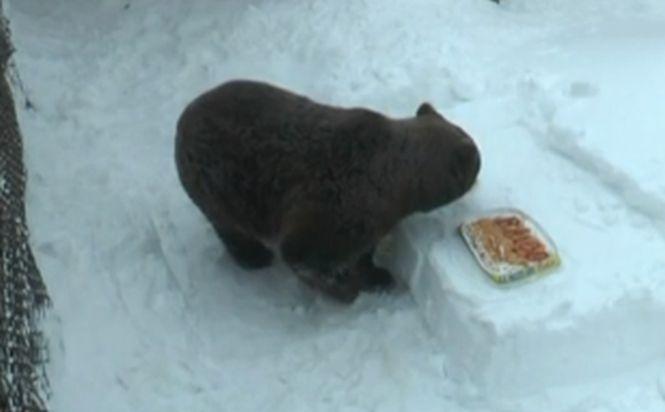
{"points": [[564, 98]]}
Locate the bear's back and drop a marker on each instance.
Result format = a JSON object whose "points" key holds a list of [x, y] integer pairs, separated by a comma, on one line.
{"points": [[246, 146]]}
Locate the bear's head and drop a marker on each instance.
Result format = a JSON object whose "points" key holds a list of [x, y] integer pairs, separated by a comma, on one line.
{"points": [[449, 159]]}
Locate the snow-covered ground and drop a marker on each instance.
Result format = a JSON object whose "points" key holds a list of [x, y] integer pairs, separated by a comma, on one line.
{"points": [[565, 98]]}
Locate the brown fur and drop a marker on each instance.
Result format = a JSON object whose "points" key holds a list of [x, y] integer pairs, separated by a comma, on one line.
{"points": [[325, 184]]}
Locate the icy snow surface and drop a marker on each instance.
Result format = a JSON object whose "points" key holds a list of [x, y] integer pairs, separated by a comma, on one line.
{"points": [[565, 97]]}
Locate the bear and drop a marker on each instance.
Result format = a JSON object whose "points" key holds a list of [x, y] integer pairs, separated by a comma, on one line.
{"points": [[277, 173]]}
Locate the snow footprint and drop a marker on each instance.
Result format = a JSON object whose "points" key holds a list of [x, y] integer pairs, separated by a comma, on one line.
{"points": [[581, 90]]}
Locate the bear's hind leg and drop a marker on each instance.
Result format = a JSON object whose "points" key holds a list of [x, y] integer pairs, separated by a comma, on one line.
{"points": [[249, 253]]}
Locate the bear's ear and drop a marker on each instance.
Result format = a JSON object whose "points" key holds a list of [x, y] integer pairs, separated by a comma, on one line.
{"points": [[426, 108]]}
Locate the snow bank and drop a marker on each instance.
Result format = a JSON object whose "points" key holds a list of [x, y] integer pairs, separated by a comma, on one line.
{"points": [[583, 158]]}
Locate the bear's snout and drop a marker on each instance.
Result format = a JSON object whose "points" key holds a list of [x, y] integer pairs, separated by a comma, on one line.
{"points": [[466, 164]]}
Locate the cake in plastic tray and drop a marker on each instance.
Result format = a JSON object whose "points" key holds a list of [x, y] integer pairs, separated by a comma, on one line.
{"points": [[509, 245]]}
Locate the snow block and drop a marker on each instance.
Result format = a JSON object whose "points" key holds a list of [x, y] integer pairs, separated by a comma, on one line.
{"points": [[512, 341]]}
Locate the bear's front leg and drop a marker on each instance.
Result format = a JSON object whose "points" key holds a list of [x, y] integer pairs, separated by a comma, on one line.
{"points": [[341, 284], [372, 278], [330, 255], [345, 283]]}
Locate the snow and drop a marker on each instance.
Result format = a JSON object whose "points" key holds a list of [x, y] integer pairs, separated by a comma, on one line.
{"points": [[565, 99]]}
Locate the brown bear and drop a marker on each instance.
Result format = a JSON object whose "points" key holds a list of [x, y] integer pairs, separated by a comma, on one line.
{"points": [[274, 171]]}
